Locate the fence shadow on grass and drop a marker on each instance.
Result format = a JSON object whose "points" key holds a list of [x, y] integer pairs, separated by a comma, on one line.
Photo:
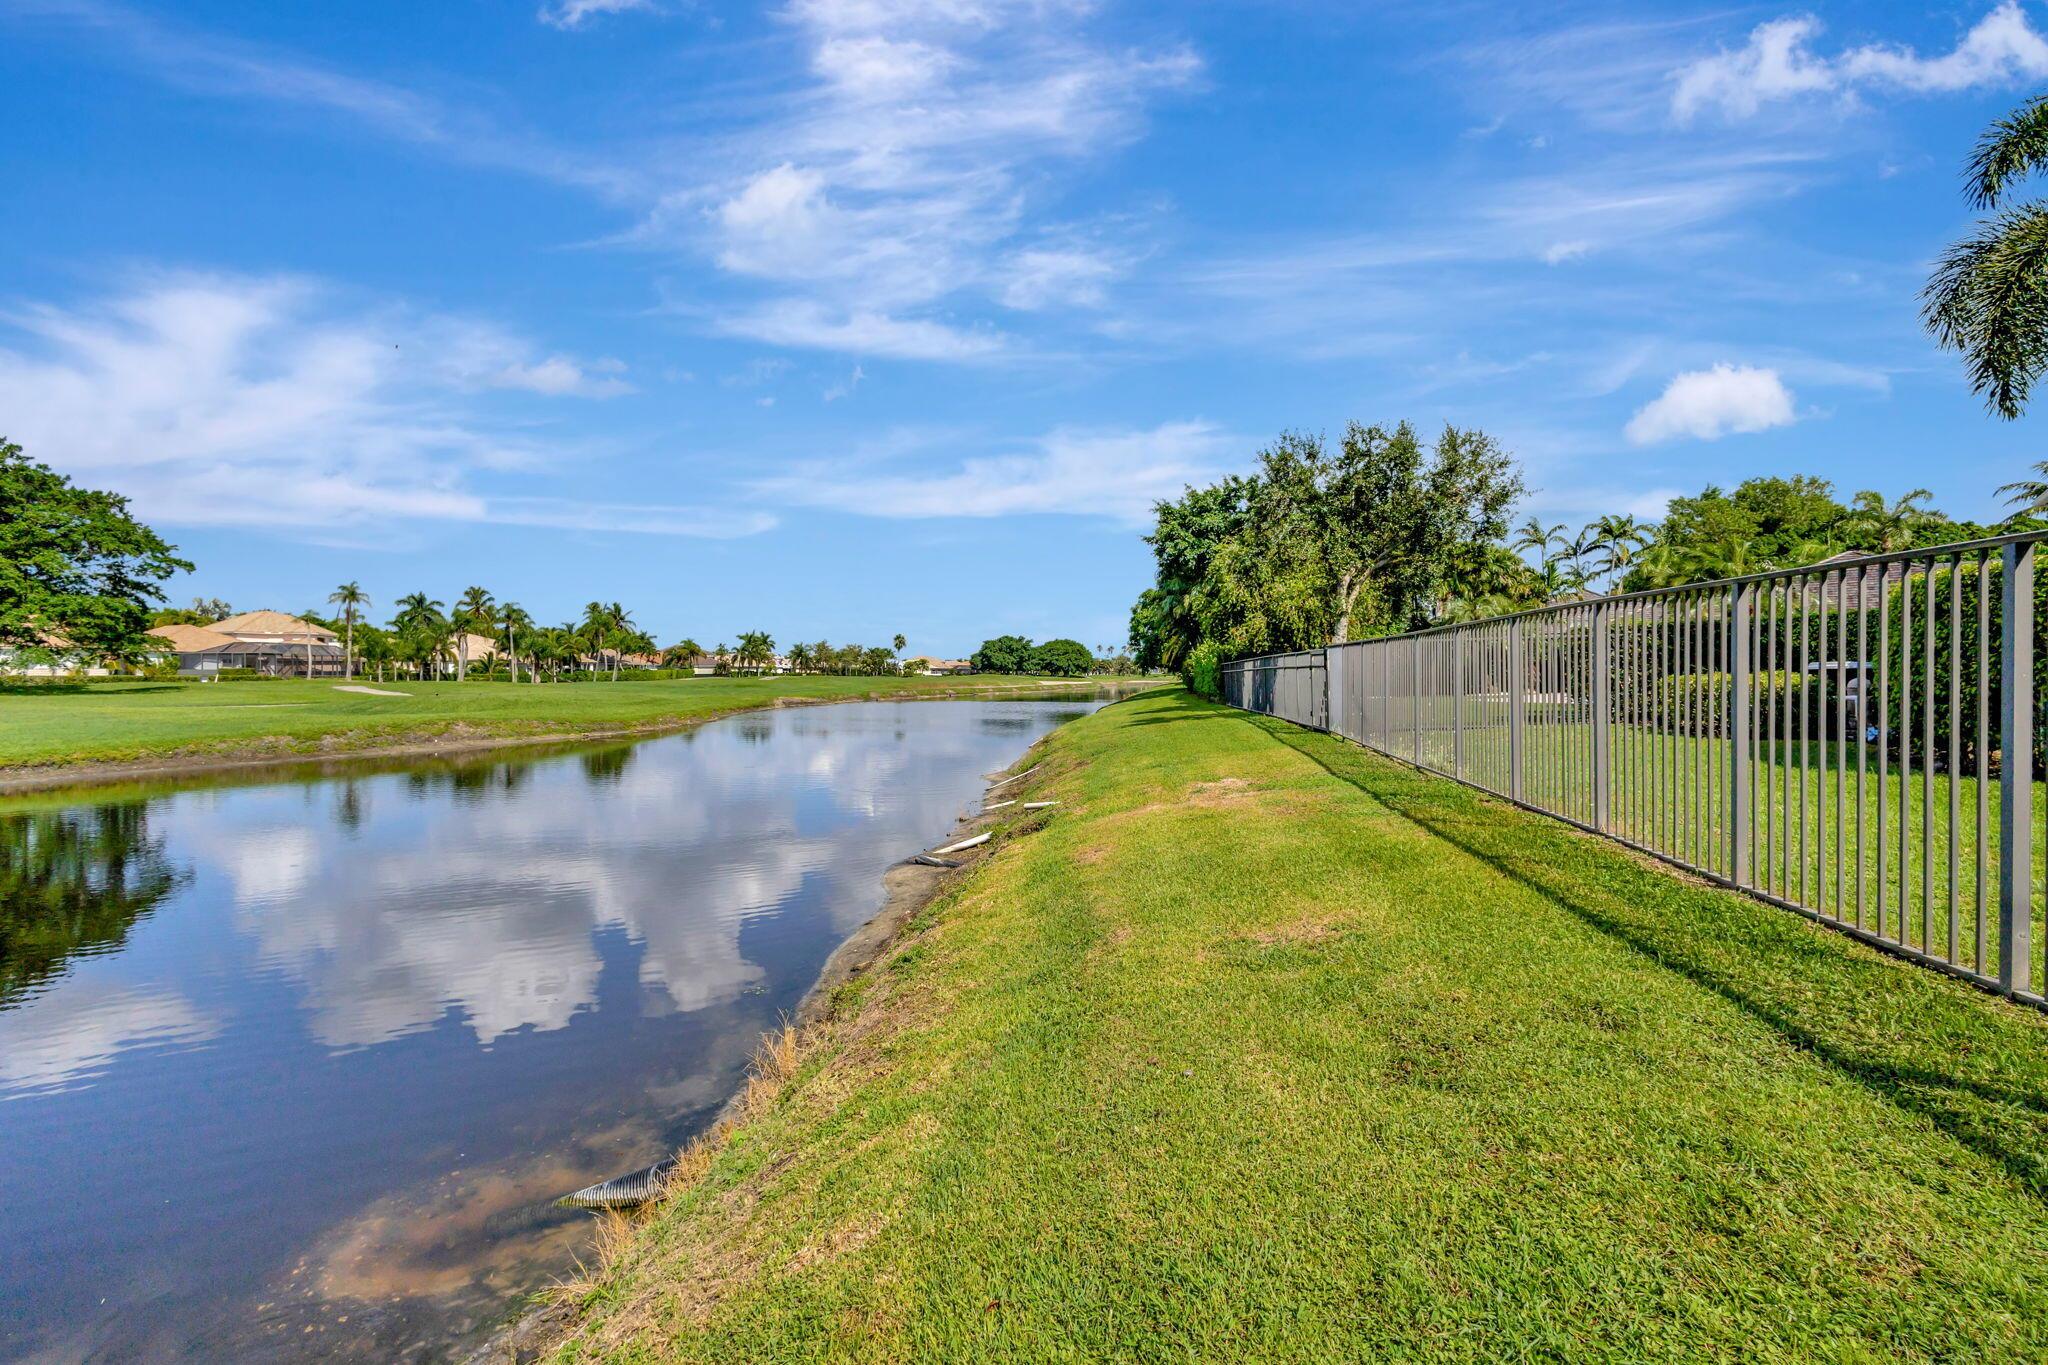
{"points": [[1975, 1067]]}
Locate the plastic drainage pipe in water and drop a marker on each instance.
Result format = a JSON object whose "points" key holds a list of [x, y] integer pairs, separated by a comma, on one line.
{"points": [[964, 843], [623, 1192]]}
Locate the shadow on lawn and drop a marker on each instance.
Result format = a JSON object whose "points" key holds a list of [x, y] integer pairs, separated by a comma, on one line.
{"points": [[1917, 1039], [44, 687]]}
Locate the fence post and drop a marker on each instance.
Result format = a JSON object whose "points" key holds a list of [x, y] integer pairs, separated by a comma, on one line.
{"points": [[1739, 670], [2016, 777], [1515, 690], [1602, 740], [1415, 699], [1457, 640]]}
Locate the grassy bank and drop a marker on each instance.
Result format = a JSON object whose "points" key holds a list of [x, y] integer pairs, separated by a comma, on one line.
{"points": [[1261, 1047], [144, 721]]}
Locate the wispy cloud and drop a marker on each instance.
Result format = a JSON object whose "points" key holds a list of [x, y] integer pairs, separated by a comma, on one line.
{"points": [[1779, 63], [267, 402], [215, 65], [811, 324], [898, 188], [1073, 472], [576, 13]]}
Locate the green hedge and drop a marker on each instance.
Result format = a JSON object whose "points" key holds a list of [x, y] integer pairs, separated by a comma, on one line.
{"points": [[1908, 677], [1699, 703]]}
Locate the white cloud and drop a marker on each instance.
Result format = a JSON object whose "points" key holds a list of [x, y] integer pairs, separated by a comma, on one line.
{"points": [[1557, 253], [845, 388], [1708, 404], [1114, 474], [1777, 64], [903, 175], [231, 400], [227, 67], [797, 322], [1040, 277], [574, 13], [871, 67]]}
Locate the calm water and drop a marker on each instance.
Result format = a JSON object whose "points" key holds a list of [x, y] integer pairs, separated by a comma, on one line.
{"points": [[295, 1070]]}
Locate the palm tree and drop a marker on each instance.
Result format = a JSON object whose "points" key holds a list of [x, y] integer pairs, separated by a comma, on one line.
{"points": [[1988, 297], [898, 641], [2030, 496], [474, 613], [378, 649], [756, 651], [1892, 525], [512, 619], [1534, 535], [1660, 565], [800, 660], [413, 609], [1577, 551], [1729, 557], [1618, 538], [549, 646], [350, 598], [419, 621]]}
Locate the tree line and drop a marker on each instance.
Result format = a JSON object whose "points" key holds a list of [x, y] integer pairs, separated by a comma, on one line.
{"points": [[1379, 534]]}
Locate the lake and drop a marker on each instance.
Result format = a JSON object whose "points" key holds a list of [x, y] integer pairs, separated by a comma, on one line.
{"points": [[296, 1068]]}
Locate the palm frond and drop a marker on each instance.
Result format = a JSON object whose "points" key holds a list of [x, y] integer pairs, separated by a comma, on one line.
{"points": [[2011, 149]]}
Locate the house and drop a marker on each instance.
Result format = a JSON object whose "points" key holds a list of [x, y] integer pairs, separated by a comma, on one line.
{"points": [[480, 650], [932, 667], [54, 656], [268, 642]]}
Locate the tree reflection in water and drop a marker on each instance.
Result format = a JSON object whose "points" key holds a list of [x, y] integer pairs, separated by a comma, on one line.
{"points": [[74, 882]]}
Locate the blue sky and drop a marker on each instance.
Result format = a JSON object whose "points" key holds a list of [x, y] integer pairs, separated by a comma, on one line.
{"points": [[845, 317]]}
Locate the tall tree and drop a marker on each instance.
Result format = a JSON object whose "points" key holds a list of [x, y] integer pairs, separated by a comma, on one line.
{"points": [[1617, 539], [1003, 654], [75, 569], [475, 613], [420, 630], [513, 620], [1988, 297], [352, 600], [756, 651], [1534, 535]]}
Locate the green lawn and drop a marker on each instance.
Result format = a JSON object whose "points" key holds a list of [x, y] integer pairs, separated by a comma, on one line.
{"points": [[1262, 1047], [118, 722], [1672, 793]]}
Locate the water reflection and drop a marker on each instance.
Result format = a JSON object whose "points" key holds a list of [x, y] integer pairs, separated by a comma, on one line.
{"points": [[73, 881], [348, 1037]]}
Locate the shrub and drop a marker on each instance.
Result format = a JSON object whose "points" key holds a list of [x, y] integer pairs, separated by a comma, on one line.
{"points": [[1203, 670], [1700, 703], [1908, 677]]}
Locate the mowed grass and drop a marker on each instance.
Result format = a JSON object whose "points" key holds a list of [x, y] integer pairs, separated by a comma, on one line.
{"points": [[1261, 1047], [117, 722], [1919, 851]]}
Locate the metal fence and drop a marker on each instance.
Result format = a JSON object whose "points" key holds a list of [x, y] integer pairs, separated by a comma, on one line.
{"points": [[1857, 740]]}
